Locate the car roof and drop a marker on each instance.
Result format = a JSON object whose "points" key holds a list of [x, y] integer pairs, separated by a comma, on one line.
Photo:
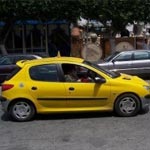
{"points": [[49, 59], [134, 50]]}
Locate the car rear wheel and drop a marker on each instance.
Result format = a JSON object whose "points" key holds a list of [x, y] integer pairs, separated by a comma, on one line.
{"points": [[127, 105], [22, 111]]}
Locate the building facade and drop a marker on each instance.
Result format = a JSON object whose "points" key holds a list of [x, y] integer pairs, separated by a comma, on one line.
{"points": [[39, 38]]}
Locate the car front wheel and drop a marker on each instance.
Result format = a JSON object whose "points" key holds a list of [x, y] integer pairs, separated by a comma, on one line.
{"points": [[127, 105], [22, 111]]}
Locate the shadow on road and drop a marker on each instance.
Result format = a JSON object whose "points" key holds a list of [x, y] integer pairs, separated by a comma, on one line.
{"points": [[62, 116], [73, 116]]}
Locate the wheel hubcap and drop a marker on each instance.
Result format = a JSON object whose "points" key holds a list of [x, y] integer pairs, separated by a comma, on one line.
{"points": [[22, 110], [127, 105]]}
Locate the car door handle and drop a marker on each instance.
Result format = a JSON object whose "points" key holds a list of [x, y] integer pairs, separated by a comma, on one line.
{"points": [[71, 89], [34, 88]]}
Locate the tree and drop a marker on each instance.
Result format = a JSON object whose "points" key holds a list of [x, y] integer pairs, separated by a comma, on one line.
{"points": [[43, 10], [118, 12]]}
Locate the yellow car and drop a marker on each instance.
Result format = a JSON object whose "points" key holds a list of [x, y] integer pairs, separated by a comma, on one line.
{"points": [[67, 84]]}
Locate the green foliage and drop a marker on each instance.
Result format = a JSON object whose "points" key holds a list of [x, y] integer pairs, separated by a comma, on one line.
{"points": [[90, 8], [39, 9], [120, 12]]}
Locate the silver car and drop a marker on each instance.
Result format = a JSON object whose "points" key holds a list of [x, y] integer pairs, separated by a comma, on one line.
{"points": [[134, 62]]}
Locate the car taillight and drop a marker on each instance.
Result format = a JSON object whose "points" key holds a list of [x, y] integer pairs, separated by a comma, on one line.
{"points": [[7, 86]]}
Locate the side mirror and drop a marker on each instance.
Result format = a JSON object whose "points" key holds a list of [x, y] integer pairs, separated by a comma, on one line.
{"points": [[99, 80]]}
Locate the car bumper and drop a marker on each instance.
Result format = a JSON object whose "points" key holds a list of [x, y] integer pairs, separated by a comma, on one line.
{"points": [[4, 103], [145, 102]]}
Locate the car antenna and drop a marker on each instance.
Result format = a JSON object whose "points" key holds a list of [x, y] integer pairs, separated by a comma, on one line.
{"points": [[58, 54]]}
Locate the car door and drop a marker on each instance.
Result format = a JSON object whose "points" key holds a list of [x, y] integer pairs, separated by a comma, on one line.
{"points": [[46, 88], [86, 95], [122, 63]]}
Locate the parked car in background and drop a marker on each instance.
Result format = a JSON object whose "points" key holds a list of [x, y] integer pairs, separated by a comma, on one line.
{"points": [[41, 86], [8, 63], [133, 62]]}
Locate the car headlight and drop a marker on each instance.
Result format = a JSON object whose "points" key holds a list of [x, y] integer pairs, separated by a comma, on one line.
{"points": [[147, 87]]}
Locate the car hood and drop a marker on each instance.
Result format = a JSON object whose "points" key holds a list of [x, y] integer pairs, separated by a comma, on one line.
{"points": [[135, 79], [103, 63]]}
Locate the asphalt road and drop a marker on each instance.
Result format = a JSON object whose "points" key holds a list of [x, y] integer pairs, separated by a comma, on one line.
{"points": [[102, 131]]}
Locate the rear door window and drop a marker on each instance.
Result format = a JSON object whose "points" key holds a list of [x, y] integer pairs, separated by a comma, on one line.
{"points": [[44, 73], [141, 56]]}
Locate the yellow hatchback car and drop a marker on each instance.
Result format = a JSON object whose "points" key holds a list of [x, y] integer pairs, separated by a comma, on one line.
{"points": [[67, 84]]}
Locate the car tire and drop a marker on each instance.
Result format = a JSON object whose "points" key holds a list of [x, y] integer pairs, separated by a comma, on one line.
{"points": [[22, 110], [127, 105]]}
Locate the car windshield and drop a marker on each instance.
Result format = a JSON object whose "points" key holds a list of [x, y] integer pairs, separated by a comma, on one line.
{"points": [[107, 59], [107, 72]]}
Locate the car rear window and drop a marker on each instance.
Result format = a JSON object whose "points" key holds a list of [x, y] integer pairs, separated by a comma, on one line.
{"points": [[15, 71], [6, 60]]}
